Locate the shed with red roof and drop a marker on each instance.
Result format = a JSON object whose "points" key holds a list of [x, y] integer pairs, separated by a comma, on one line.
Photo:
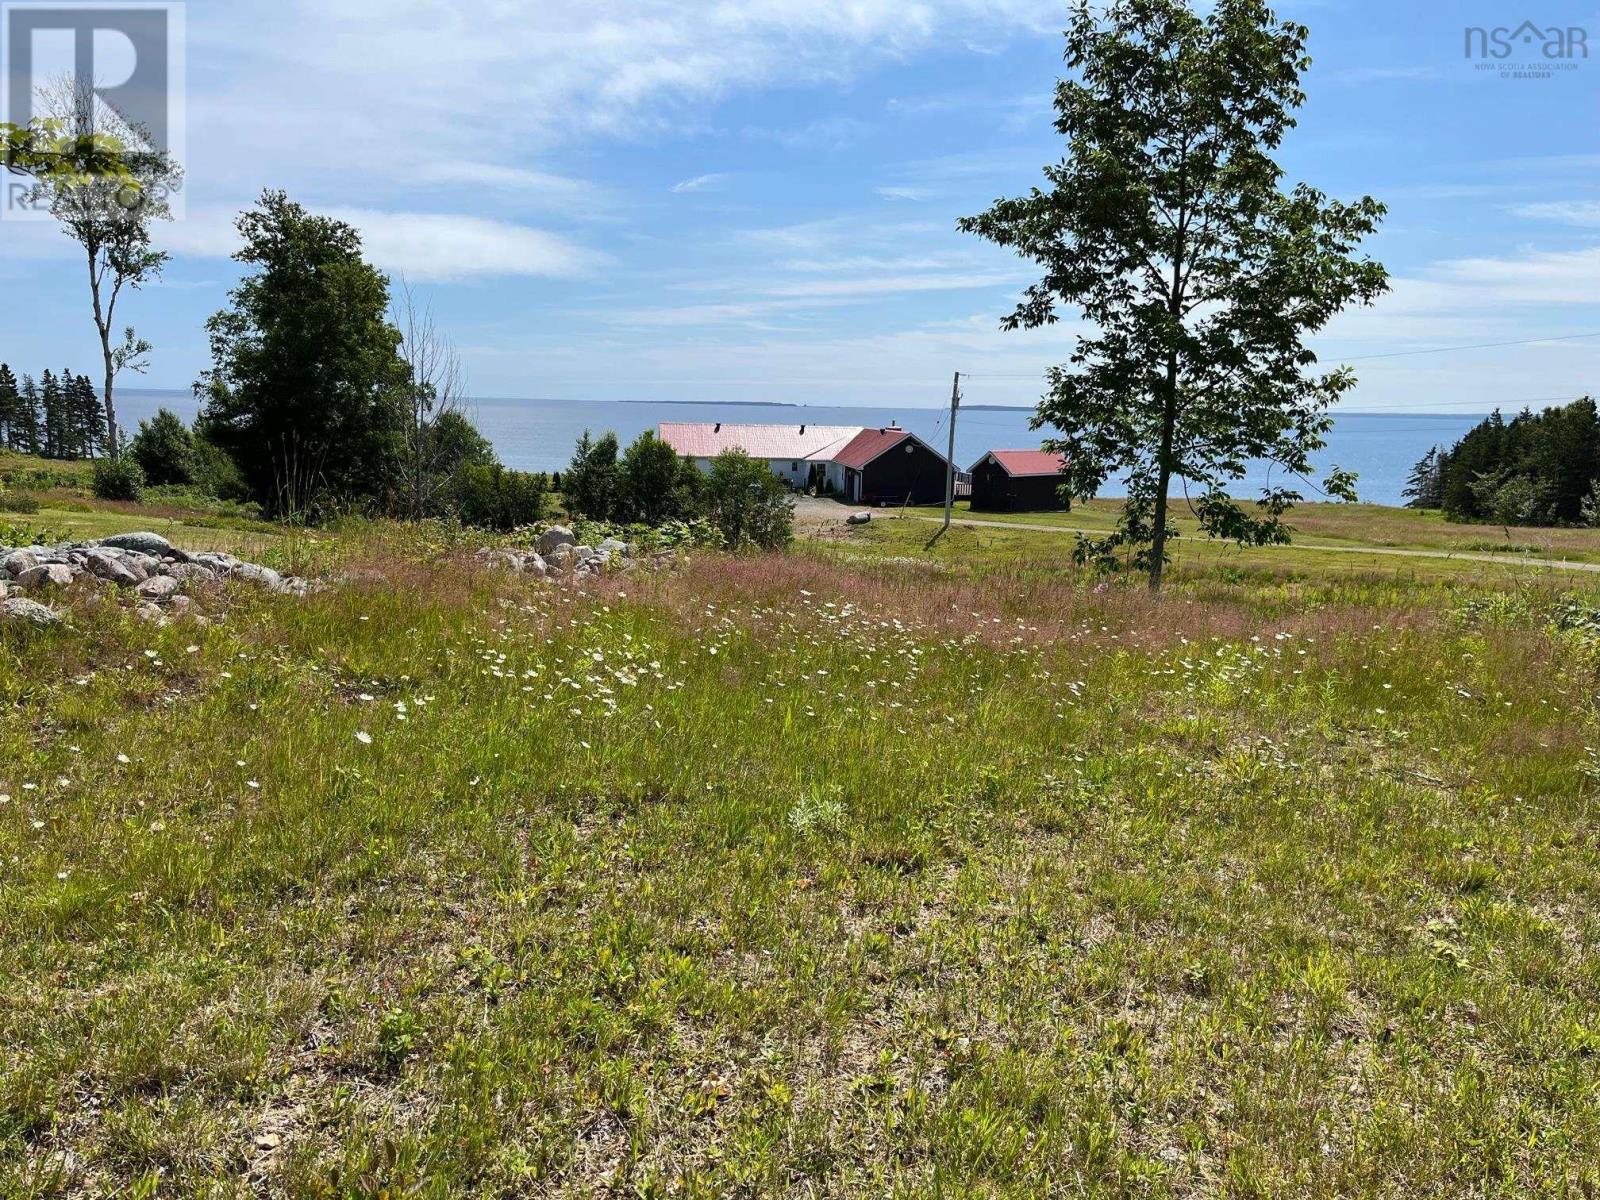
{"points": [[887, 465], [1018, 481]]}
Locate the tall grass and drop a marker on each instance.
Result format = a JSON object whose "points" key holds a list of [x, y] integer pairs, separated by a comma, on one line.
{"points": [[798, 875]]}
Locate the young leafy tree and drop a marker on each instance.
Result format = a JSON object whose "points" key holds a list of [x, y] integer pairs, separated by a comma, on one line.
{"points": [[306, 390], [1166, 225], [648, 488], [749, 505], [164, 449], [109, 215]]}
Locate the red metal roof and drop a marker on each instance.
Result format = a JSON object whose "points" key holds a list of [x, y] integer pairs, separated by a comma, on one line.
{"points": [[707, 439], [1026, 462], [867, 445]]}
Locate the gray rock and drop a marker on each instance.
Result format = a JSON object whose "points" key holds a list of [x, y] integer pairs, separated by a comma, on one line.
{"points": [[556, 535], [584, 553], [179, 605], [255, 573], [46, 575], [561, 557], [858, 518], [189, 572], [506, 560], [147, 612], [18, 561], [144, 543], [218, 563], [614, 546], [109, 567], [534, 565], [158, 587], [20, 609]]}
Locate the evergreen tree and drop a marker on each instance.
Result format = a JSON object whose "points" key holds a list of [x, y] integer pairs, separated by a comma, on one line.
{"points": [[10, 407], [51, 423], [27, 428], [592, 478], [89, 418], [1538, 468], [1425, 485]]}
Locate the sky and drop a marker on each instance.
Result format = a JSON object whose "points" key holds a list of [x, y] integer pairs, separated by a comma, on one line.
{"points": [[755, 200]]}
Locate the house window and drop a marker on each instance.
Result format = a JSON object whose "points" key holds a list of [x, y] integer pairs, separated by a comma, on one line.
{"points": [[794, 466]]}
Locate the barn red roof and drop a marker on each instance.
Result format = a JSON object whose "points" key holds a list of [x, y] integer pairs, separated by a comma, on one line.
{"points": [[867, 445], [1027, 462], [707, 439]]}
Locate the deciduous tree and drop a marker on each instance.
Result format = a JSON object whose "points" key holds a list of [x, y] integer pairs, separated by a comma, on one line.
{"points": [[1167, 226]]}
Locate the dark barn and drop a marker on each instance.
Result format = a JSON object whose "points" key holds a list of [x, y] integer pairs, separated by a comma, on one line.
{"points": [[1017, 481], [890, 466]]}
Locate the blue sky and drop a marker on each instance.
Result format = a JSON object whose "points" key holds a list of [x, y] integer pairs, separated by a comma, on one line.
{"points": [[755, 199]]}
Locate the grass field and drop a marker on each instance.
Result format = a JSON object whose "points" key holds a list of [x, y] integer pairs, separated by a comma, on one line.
{"points": [[1341, 525], [867, 870]]}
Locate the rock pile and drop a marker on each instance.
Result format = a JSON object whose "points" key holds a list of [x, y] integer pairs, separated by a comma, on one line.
{"points": [[557, 552], [154, 572]]}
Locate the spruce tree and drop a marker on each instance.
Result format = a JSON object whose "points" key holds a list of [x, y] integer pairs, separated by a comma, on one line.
{"points": [[50, 396], [27, 431], [10, 406]]}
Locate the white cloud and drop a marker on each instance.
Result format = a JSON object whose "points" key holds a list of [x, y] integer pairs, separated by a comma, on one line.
{"points": [[420, 246], [904, 193], [699, 183], [1568, 212]]}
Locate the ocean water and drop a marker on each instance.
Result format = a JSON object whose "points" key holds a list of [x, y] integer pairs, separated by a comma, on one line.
{"points": [[538, 435]]}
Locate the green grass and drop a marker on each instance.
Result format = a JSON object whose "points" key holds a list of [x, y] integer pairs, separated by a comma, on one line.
{"points": [[861, 871], [1339, 525]]}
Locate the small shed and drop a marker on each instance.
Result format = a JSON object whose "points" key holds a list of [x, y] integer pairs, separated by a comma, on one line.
{"points": [[890, 465], [1018, 481]]}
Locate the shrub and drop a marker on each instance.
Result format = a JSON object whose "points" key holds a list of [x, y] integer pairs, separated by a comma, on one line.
{"points": [[19, 502], [748, 504], [118, 479], [164, 449], [496, 498]]}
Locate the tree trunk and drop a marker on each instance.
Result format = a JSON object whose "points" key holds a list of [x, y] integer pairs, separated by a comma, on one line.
{"points": [[103, 325], [1169, 420]]}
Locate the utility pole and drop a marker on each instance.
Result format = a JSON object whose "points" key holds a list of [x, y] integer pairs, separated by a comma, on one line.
{"points": [[950, 459]]}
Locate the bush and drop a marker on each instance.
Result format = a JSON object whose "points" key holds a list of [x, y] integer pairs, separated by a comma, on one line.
{"points": [[749, 505], [496, 498], [118, 479], [19, 502], [164, 449]]}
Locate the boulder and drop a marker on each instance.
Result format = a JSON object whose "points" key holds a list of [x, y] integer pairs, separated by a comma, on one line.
{"points": [[158, 588], [144, 543], [147, 612], [189, 572], [18, 561], [556, 535], [858, 518], [615, 547], [46, 575], [110, 568], [255, 573], [20, 610], [534, 565], [561, 557]]}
